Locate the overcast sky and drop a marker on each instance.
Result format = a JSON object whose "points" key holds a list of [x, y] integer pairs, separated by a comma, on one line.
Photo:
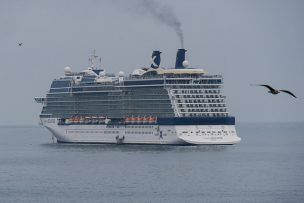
{"points": [[247, 41]]}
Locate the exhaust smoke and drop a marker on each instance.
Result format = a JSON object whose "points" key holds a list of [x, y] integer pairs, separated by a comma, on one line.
{"points": [[162, 14]]}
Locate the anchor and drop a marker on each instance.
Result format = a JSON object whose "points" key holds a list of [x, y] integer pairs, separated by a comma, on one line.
{"points": [[119, 140], [161, 134]]}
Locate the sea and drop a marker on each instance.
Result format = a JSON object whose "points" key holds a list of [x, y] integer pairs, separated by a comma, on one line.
{"points": [[266, 166]]}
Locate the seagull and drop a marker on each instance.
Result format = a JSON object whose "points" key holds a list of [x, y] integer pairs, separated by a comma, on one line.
{"points": [[20, 44], [276, 91]]}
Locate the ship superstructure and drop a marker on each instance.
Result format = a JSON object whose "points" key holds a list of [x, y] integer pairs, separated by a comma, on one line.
{"points": [[153, 105]]}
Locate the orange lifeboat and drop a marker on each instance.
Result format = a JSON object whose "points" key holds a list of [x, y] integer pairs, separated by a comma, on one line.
{"points": [[133, 120], [136, 119], [127, 120], [150, 119], [145, 120], [140, 120], [76, 119]]}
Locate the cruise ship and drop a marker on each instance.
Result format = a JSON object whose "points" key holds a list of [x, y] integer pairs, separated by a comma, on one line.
{"points": [[152, 105]]}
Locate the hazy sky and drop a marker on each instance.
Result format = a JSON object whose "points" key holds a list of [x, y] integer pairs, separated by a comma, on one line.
{"points": [[247, 41]]}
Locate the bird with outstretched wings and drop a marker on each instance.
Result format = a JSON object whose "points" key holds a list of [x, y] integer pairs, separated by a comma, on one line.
{"points": [[276, 91]]}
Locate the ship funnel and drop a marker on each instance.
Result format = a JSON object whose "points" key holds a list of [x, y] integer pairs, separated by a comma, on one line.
{"points": [[155, 62], [180, 58]]}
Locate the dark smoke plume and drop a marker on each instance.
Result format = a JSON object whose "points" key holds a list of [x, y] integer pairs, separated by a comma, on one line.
{"points": [[163, 14]]}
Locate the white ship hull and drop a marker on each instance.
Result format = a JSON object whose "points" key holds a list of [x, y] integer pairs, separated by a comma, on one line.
{"points": [[143, 134]]}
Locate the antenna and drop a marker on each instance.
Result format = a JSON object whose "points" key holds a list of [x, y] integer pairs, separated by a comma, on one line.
{"points": [[93, 60], [100, 62]]}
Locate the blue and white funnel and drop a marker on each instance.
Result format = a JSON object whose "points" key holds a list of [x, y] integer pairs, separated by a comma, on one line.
{"points": [[180, 58], [155, 59]]}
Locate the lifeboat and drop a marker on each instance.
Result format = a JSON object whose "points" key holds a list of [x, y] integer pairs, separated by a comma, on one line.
{"points": [[140, 120], [107, 120], [87, 120], [145, 120], [76, 120], [94, 120], [67, 121], [81, 120], [127, 120], [101, 120], [72, 120], [152, 120], [133, 120]]}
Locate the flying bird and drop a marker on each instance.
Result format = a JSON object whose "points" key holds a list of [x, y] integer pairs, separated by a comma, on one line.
{"points": [[276, 91], [20, 44]]}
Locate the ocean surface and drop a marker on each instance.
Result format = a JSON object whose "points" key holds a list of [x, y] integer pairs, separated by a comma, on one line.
{"points": [[267, 166]]}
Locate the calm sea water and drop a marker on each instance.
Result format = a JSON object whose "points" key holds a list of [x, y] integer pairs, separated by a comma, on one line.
{"points": [[267, 166]]}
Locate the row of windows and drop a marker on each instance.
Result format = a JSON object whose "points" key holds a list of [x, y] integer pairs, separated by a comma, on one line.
{"points": [[139, 132], [200, 101], [60, 90], [107, 106], [68, 114], [93, 131], [203, 110], [201, 105], [110, 112], [199, 96], [210, 133], [88, 89], [196, 91], [108, 98], [187, 81], [139, 126], [69, 102], [146, 92], [61, 83], [136, 97], [195, 87], [205, 114]]}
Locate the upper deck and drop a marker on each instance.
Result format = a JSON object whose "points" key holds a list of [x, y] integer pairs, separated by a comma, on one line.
{"points": [[149, 91], [85, 82]]}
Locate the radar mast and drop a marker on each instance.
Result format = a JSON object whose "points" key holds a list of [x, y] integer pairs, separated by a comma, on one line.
{"points": [[94, 60]]}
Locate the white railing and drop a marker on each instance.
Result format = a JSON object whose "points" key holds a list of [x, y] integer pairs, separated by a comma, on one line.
{"points": [[173, 103]]}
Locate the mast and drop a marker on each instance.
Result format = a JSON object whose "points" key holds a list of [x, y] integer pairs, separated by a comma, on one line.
{"points": [[94, 59]]}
